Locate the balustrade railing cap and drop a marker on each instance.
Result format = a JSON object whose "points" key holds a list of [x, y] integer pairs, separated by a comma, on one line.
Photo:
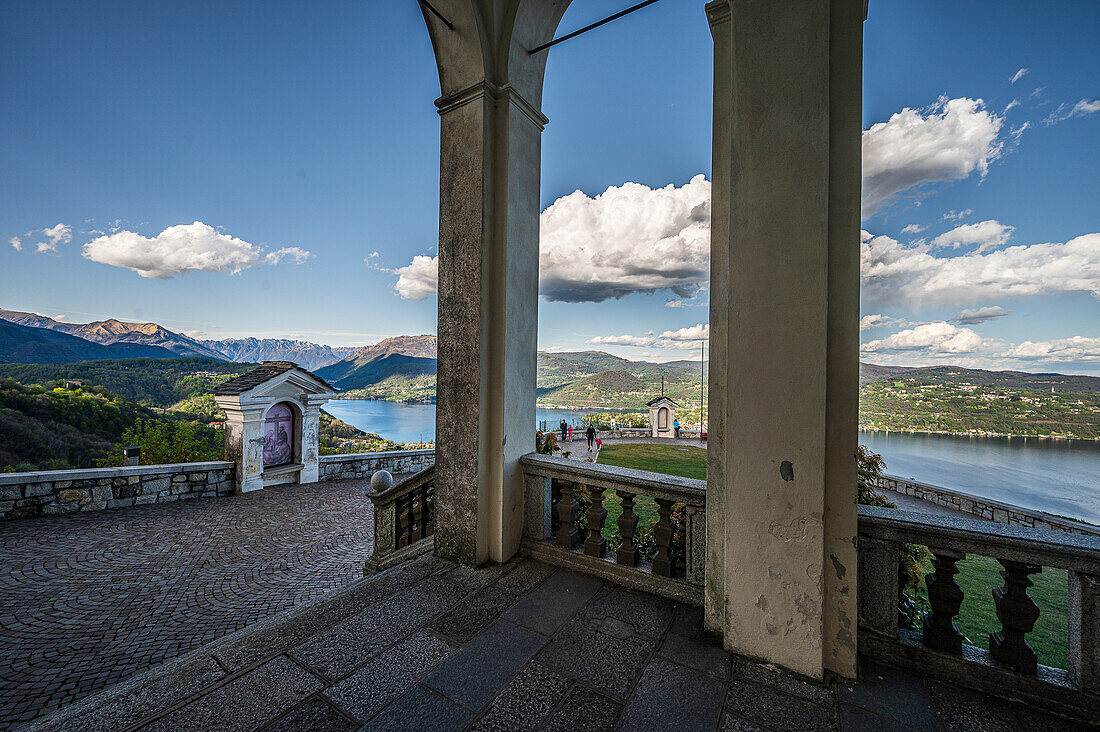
{"points": [[1045, 547], [681, 489]]}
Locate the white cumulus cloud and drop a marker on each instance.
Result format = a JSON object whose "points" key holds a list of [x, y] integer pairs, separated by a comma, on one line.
{"points": [[16, 243], [896, 273], [947, 344], [878, 320], [952, 140], [419, 279], [684, 339], [986, 234], [630, 238], [979, 315], [184, 248]]}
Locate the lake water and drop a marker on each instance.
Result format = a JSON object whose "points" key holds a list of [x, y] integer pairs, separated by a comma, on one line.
{"points": [[1056, 476], [402, 422]]}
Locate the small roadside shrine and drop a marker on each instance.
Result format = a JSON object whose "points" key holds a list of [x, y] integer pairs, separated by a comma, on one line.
{"points": [[272, 422], [662, 415]]}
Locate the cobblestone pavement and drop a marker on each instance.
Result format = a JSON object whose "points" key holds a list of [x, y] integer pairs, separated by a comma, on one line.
{"points": [[430, 646], [88, 600]]}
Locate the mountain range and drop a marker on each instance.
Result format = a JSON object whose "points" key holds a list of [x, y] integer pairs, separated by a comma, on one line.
{"points": [[160, 342], [24, 344], [308, 355]]}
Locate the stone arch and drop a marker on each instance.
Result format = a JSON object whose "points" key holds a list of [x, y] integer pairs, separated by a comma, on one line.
{"points": [[295, 429], [490, 42]]}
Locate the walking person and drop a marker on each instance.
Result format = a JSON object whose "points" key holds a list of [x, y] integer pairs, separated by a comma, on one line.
{"points": [[564, 430], [676, 428], [590, 433]]}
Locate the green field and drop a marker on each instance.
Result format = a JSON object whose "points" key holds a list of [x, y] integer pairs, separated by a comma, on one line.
{"points": [[977, 575], [682, 460], [978, 618]]}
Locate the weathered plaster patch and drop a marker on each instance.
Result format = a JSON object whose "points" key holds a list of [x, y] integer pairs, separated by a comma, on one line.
{"points": [[840, 569]]}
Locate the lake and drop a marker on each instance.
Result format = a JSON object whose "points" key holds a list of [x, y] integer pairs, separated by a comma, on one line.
{"points": [[402, 422], [1056, 476]]}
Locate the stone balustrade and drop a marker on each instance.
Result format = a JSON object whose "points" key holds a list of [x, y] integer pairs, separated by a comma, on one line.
{"points": [[1009, 665], [54, 492], [404, 521], [986, 508], [557, 531], [365, 464]]}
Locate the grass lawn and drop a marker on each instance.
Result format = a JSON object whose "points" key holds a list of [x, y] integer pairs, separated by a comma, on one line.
{"points": [[683, 460], [977, 575], [978, 617]]}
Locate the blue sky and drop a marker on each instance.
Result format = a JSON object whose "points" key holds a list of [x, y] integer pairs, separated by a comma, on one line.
{"points": [[306, 139]]}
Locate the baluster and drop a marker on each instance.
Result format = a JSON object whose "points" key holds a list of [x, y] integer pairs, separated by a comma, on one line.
{"points": [[628, 524], [595, 545], [424, 512], [1017, 613], [945, 596], [399, 521], [1084, 631], [662, 533], [567, 512]]}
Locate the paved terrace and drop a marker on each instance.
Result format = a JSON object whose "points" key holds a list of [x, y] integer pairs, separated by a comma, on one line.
{"points": [[428, 645], [88, 600]]}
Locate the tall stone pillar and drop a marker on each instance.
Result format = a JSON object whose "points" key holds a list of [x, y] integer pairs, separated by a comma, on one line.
{"points": [[244, 444], [490, 153], [781, 503]]}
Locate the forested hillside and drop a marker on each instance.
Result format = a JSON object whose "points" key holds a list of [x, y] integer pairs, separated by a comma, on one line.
{"points": [[153, 382]]}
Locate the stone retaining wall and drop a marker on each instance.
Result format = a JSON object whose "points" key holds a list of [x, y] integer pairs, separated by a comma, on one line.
{"points": [[364, 464], [53, 492], [1002, 513]]}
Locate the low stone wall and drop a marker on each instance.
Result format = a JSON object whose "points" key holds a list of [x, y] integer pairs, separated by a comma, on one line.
{"points": [[1002, 513], [53, 492], [364, 464]]}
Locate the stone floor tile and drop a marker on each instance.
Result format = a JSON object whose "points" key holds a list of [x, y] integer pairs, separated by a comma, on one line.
{"points": [[649, 614], [961, 709], [733, 723], [890, 693], [777, 710], [863, 720], [607, 654], [130, 703], [420, 709], [700, 653], [780, 680], [107, 594], [525, 701], [675, 698], [549, 605], [1033, 720], [474, 675], [585, 711], [246, 702], [525, 575], [388, 675], [339, 650], [313, 715], [688, 621], [475, 613]]}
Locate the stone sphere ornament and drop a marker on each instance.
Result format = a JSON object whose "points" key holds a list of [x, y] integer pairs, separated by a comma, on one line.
{"points": [[381, 481]]}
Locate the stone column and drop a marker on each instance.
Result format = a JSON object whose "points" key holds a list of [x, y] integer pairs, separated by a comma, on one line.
{"points": [[781, 557], [311, 432], [244, 444], [490, 152]]}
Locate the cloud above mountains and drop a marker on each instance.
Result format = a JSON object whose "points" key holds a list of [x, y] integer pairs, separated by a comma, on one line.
{"points": [[419, 279], [908, 274], [944, 343], [684, 339], [177, 250]]}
